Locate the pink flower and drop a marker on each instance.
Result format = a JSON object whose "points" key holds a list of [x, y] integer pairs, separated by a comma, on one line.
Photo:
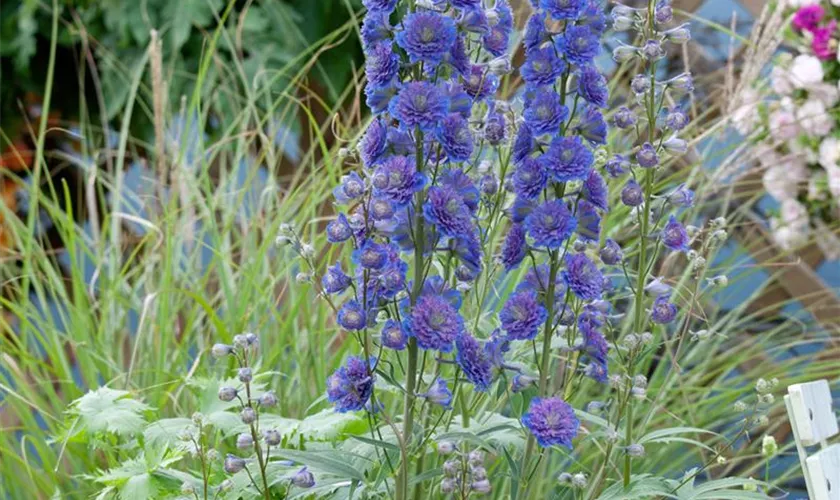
{"points": [[807, 18], [822, 43]]}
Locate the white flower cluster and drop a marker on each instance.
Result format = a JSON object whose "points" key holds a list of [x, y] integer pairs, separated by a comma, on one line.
{"points": [[800, 152]]}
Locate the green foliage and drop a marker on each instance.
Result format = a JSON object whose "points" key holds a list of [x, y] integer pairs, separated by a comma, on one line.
{"points": [[108, 410]]}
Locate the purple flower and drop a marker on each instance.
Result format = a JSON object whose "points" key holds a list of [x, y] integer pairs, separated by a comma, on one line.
{"points": [[461, 182], [375, 29], [303, 479], [381, 65], [611, 254], [624, 118], [807, 18], [552, 422], [617, 165], [535, 33], [592, 86], [592, 126], [435, 285], [378, 99], [674, 235], [550, 224], [663, 311], [529, 178], [681, 196], [380, 209], [465, 4], [521, 382], [542, 67], [474, 21], [522, 315], [538, 280], [339, 230], [393, 335], [458, 57], [439, 393], [474, 361], [419, 104], [434, 323], [480, 84], [589, 221], [583, 277], [350, 386], [632, 194], [352, 316], [352, 186], [427, 36], [467, 248], [494, 128], [568, 159], [563, 9], [593, 16], [446, 209], [595, 190], [455, 137], [544, 113], [676, 120], [514, 247], [580, 44], [497, 38], [459, 101], [380, 5], [646, 156], [374, 143], [523, 145], [334, 279], [397, 179], [371, 255]]}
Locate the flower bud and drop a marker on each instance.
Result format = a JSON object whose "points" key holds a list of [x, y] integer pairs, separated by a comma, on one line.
{"points": [[198, 418], [632, 194], [478, 473], [240, 341], [622, 23], [245, 375], [221, 350], [244, 441], [682, 83], [448, 485], [624, 118], [482, 486], [635, 450], [521, 382], [212, 454], [663, 13], [624, 53], [234, 464], [564, 478], [286, 228], [500, 66], [307, 251], [344, 153], [652, 50], [272, 437], [675, 145], [640, 84], [657, 287], [638, 392], [579, 480], [762, 386], [763, 421], [751, 485], [303, 479], [248, 415], [718, 223], [679, 35], [226, 485], [720, 280], [476, 457], [721, 460], [630, 341], [676, 120], [282, 240], [767, 399], [646, 338], [451, 468], [303, 278], [445, 447], [769, 448], [227, 394], [640, 381], [268, 400], [740, 406]]}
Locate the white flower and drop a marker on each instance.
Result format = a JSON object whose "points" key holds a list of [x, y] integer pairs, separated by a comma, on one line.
{"points": [[814, 119], [834, 181], [786, 237], [806, 71], [781, 81], [791, 229], [783, 125], [745, 117], [826, 93], [782, 180], [829, 152], [794, 214]]}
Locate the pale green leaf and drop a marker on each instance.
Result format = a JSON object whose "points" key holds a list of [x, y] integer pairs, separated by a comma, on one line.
{"points": [[109, 410]]}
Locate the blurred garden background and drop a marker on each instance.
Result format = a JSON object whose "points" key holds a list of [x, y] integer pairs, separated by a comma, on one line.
{"points": [[153, 151]]}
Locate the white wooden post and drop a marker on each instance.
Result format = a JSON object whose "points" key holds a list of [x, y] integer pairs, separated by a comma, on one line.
{"points": [[813, 421]]}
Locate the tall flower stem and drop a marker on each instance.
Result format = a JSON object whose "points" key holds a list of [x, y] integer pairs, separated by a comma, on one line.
{"points": [[411, 371]]}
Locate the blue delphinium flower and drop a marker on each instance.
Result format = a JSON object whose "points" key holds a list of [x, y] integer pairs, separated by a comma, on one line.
{"points": [[632, 194], [352, 316], [646, 157], [535, 33], [371, 255], [474, 361], [589, 221], [455, 138], [681, 196], [580, 44], [375, 29], [592, 126], [339, 230], [552, 422], [378, 99], [562, 10], [550, 224], [446, 209], [595, 190], [393, 335], [434, 323], [397, 179], [352, 187], [568, 159], [544, 112], [522, 315], [583, 277], [496, 39], [334, 280], [427, 36], [439, 393], [674, 235], [480, 83], [380, 5], [523, 145], [381, 65], [350, 386], [542, 67], [374, 143], [420, 104], [611, 254], [529, 178], [663, 311], [463, 184], [495, 128], [521, 382], [592, 86], [514, 248]]}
